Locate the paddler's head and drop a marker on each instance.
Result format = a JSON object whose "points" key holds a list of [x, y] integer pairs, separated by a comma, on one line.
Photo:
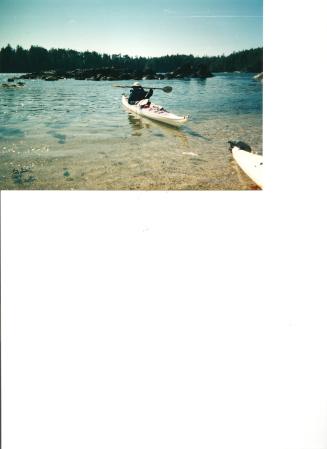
{"points": [[136, 85]]}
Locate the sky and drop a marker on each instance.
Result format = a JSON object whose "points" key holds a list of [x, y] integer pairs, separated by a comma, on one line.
{"points": [[140, 27]]}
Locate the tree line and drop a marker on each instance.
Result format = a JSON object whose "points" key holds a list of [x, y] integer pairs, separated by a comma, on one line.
{"points": [[35, 59]]}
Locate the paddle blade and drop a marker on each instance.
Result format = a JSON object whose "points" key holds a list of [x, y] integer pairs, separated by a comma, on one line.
{"points": [[166, 89]]}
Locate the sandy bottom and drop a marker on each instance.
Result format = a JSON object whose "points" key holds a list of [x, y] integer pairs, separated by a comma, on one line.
{"points": [[151, 157]]}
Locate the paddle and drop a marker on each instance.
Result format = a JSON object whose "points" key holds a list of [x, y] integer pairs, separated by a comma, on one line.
{"points": [[166, 89]]}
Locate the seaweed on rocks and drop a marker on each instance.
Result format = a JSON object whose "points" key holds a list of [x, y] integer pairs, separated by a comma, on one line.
{"points": [[18, 175]]}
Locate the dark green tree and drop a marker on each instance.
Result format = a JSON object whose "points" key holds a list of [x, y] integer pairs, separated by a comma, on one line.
{"points": [[39, 59]]}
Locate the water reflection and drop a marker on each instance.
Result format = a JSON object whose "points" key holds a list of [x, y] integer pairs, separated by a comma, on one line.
{"points": [[201, 80], [159, 130], [135, 122]]}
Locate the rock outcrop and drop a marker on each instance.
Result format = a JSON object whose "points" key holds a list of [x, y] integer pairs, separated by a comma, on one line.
{"points": [[117, 74]]}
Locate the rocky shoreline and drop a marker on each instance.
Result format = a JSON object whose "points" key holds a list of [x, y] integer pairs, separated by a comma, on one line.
{"points": [[117, 74]]}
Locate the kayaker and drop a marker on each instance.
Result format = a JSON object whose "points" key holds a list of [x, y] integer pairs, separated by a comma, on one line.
{"points": [[137, 94]]}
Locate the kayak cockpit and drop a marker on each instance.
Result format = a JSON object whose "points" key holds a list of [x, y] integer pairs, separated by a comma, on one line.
{"points": [[154, 112]]}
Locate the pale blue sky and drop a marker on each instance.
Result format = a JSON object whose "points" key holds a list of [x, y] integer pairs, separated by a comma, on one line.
{"points": [[143, 27]]}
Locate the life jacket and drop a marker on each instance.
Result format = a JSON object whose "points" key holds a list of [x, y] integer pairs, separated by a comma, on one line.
{"points": [[136, 94]]}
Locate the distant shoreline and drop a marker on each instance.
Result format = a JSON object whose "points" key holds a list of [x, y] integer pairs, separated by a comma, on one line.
{"points": [[107, 74], [39, 59]]}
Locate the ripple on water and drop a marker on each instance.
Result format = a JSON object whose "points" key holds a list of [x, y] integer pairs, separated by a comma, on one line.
{"points": [[15, 133], [61, 138], [85, 125]]}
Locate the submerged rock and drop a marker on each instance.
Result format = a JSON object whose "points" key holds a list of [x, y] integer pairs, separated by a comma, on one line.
{"points": [[18, 175], [12, 85]]}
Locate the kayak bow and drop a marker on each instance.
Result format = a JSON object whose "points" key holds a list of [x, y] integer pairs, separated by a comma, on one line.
{"points": [[250, 163]]}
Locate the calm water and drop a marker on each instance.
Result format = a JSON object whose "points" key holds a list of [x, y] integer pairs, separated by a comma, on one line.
{"points": [[72, 134]]}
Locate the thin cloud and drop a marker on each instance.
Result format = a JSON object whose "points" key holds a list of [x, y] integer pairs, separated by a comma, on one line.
{"points": [[223, 17]]}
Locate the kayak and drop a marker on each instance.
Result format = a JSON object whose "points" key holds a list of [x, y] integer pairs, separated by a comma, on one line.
{"points": [[250, 163], [154, 112]]}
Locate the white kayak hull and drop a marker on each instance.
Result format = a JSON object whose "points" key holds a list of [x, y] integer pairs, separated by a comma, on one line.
{"points": [[251, 164], [155, 112]]}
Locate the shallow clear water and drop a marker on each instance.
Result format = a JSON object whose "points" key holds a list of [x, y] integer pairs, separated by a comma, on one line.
{"points": [[72, 134]]}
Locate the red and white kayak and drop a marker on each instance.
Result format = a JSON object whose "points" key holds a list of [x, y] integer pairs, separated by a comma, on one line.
{"points": [[154, 112]]}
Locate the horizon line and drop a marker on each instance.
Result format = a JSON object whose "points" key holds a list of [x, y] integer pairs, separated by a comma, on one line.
{"points": [[2, 46]]}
